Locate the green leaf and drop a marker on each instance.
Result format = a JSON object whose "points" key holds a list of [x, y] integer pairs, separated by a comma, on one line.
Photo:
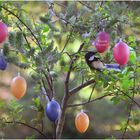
{"points": [[66, 68], [2, 104], [36, 101], [136, 120], [72, 19], [131, 128], [125, 84], [115, 100], [132, 57]]}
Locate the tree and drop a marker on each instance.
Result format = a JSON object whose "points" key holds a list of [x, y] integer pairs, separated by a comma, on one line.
{"points": [[34, 47]]}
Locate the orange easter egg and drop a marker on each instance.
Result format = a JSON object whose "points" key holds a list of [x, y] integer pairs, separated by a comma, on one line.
{"points": [[18, 87], [82, 122]]}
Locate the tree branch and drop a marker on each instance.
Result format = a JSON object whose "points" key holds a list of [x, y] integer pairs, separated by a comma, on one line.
{"points": [[70, 69], [89, 101], [28, 44], [46, 90], [129, 97], [84, 4], [27, 125], [74, 90], [92, 92], [131, 105], [67, 41], [61, 119], [37, 41], [48, 81], [128, 119], [51, 5]]}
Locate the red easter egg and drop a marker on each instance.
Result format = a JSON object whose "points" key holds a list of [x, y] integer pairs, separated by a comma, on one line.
{"points": [[121, 53], [102, 42], [3, 32], [18, 87]]}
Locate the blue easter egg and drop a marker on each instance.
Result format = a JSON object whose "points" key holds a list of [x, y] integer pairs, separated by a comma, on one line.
{"points": [[53, 110], [3, 63]]}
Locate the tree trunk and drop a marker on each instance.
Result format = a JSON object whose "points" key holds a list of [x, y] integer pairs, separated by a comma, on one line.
{"points": [[61, 120]]}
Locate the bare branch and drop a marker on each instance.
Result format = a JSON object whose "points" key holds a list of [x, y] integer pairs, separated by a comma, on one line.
{"points": [[46, 90], [67, 41], [70, 69], [80, 48], [50, 83], [84, 103], [128, 119], [61, 120], [92, 92], [68, 77], [68, 55], [75, 90], [131, 105], [54, 13], [29, 126], [84, 4], [129, 97]]}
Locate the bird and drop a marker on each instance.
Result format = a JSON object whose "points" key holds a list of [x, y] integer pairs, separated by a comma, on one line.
{"points": [[95, 63]]}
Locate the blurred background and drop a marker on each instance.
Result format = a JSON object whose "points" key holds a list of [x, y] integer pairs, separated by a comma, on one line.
{"points": [[105, 116]]}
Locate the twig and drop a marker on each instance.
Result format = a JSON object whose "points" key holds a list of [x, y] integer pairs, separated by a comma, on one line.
{"points": [[68, 77], [74, 90], [42, 125], [92, 92], [48, 81], [60, 18], [81, 2], [23, 24], [128, 119], [54, 127], [84, 103], [67, 55], [44, 72], [131, 104], [67, 41], [29, 126], [70, 69], [46, 89], [59, 4], [28, 44], [132, 99], [129, 97]]}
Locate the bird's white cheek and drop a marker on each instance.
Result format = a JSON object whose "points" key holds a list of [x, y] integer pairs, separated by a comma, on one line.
{"points": [[91, 58]]}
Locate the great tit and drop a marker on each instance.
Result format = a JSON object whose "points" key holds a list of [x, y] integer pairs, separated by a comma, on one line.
{"points": [[95, 63]]}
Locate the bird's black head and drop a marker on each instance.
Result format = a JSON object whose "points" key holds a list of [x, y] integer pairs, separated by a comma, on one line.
{"points": [[90, 56]]}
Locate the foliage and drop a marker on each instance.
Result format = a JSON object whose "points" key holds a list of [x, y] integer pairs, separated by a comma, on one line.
{"points": [[38, 47]]}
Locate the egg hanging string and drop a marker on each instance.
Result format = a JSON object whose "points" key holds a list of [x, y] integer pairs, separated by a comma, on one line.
{"points": [[1, 52]]}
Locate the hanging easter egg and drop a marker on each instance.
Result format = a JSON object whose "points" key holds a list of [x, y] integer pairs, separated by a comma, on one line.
{"points": [[3, 63], [53, 110], [82, 122], [3, 32], [102, 42], [18, 86], [121, 53]]}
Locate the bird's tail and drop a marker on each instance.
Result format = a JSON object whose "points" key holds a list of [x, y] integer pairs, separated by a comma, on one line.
{"points": [[115, 67]]}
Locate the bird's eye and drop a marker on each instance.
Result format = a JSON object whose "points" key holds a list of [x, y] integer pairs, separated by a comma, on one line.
{"points": [[91, 58]]}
